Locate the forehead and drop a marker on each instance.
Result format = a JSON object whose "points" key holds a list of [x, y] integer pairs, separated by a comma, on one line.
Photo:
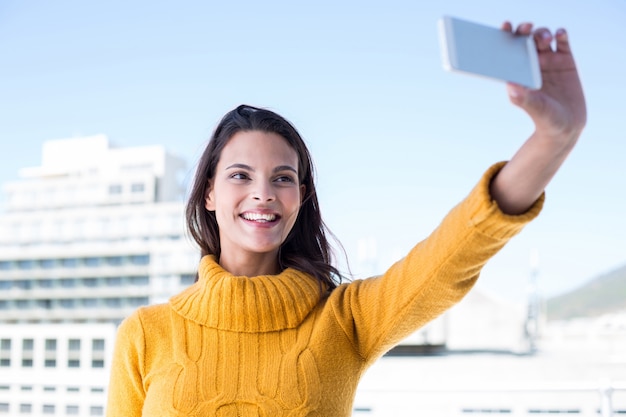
{"points": [[258, 148]]}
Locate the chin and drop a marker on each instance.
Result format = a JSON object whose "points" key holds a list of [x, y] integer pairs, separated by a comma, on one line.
{"points": [[263, 249]]}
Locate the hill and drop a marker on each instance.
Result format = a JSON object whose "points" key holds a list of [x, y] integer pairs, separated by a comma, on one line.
{"points": [[604, 294]]}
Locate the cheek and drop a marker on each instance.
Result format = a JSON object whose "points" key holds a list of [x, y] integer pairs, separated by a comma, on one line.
{"points": [[293, 202], [224, 199], [294, 212]]}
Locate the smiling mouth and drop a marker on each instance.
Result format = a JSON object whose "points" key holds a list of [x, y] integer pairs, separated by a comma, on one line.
{"points": [[260, 218]]}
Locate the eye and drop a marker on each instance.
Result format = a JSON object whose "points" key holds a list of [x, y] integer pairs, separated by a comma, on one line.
{"points": [[285, 178], [239, 176]]}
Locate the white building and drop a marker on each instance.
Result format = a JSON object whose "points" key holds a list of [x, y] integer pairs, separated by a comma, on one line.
{"points": [[56, 369], [86, 238]]}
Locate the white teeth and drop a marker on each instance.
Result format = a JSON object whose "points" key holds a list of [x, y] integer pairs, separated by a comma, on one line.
{"points": [[258, 217]]}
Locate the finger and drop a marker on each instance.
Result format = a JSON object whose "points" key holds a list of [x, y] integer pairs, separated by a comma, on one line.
{"points": [[543, 39], [525, 98], [517, 93], [524, 29], [562, 41], [507, 26]]}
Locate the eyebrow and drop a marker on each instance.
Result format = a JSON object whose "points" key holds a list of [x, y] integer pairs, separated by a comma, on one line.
{"points": [[277, 169]]}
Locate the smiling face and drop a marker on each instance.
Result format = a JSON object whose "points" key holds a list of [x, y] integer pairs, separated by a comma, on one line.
{"points": [[256, 195]]}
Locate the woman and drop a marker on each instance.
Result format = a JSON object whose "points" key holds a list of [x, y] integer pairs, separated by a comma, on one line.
{"points": [[267, 330]]}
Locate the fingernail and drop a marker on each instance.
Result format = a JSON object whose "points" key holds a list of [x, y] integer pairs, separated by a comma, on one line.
{"points": [[512, 90]]}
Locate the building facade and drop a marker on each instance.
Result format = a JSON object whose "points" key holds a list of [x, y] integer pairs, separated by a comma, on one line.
{"points": [[85, 238]]}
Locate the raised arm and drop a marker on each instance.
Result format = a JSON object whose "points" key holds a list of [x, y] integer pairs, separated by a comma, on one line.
{"points": [[559, 114]]}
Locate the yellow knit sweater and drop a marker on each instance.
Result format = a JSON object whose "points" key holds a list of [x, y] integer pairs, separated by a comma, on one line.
{"points": [[279, 346]]}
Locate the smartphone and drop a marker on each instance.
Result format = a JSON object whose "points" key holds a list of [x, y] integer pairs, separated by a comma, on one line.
{"points": [[474, 48]]}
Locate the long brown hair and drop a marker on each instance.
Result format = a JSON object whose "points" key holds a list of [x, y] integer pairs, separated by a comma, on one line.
{"points": [[306, 247]]}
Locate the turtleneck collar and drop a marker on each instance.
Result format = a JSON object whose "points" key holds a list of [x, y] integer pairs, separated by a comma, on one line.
{"points": [[247, 304]]}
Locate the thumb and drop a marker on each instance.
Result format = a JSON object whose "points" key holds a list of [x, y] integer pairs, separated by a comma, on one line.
{"points": [[525, 98], [517, 94]]}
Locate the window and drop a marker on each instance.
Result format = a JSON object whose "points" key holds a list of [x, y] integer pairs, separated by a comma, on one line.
{"points": [[73, 345], [27, 353], [73, 389], [4, 408], [28, 345], [92, 261], [5, 345], [89, 302], [140, 280], [73, 363], [6, 265], [138, 301], [49, 388], [90, 282], [47, 263], [71, 410], [6, 285], [26, 388], [140, 259], [26, 264], [114, 260], [67, 282], [50, 353], [67, 302], [4, 305], [113, 281], [97, 345], [22, 304], [45, 283], [137, 187], [115, 189], [69, 262], [96, 410], [187, 279], [48, 408], [26, 408], [23, 284], [46, 304], [113, 302], [97, 389], [5, 353], [97, 353]]}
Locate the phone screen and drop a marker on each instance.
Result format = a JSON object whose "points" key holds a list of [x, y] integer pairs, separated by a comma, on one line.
{"points": [[483, 50]]}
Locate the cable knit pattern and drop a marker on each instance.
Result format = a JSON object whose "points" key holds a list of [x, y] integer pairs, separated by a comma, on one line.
{"points": [[280, 345], [286, 379]]}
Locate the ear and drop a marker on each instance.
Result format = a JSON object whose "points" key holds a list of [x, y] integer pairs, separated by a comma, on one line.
{"points": [[209, 197]]}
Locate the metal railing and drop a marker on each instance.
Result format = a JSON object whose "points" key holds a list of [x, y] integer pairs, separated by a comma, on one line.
{"points": [[605, 389]]}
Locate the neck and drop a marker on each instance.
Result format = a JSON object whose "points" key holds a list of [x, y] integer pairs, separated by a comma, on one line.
{"points": [[250, 264]]}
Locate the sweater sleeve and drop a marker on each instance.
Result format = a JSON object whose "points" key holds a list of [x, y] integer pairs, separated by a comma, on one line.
{"points": [[377, 313], [126, 391]]}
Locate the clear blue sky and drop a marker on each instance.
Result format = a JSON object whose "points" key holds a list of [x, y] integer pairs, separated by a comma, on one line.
{"points": [[396, 140]]}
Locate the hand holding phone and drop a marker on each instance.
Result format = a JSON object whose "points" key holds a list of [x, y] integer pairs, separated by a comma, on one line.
{"points": [[490, 52]]}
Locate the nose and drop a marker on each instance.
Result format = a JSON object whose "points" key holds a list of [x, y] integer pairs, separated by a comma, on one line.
{"points": [[264, 192]]}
